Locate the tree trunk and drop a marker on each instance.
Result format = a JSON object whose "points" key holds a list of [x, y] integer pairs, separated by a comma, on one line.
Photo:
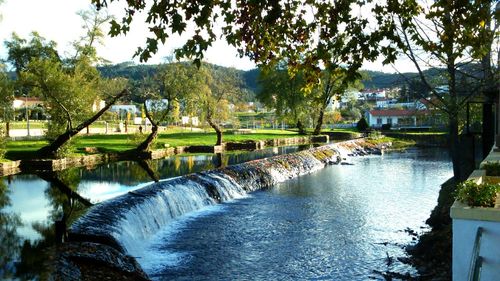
{"points": [[146, 144], [50, 151], [52, 178], [300, 126], [319, 123], [456, 151], [147, 167], [217, 129]]}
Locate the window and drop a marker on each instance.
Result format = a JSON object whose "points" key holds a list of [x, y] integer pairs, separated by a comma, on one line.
{"points": [[389, 120], [379, 121]]}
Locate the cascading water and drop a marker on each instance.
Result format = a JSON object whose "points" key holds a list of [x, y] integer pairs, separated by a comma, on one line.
{"points": [[127, 221]]}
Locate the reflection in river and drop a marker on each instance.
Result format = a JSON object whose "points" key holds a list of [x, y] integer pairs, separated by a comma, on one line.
{"points": [[36, 209]]}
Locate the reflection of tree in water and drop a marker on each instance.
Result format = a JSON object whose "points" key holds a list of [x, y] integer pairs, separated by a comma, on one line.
{"points": [[67, 205], [10, 241]]}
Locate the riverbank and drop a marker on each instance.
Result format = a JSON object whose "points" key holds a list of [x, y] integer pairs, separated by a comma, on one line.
{"points": [[95, 150]]}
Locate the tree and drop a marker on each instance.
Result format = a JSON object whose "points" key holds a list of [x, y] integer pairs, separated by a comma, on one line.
{"points": [[284, 93], [268, 32], [6, 98], [450, 35], [334, 84], [68, 88], [221, 87], [173, 82]]}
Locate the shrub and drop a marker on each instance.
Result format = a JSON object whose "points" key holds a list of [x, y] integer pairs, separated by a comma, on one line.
{"points": [[362, 125], [386, 127], [492, 169], [477, 195]]}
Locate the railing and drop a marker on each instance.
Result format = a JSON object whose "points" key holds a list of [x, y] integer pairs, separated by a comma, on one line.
{"points": [[476, 260]]}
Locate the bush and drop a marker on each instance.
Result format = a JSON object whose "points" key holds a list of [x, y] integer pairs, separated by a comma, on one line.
{"points": [[477, 195], [386, 127], [362, 125], [492, 169]]}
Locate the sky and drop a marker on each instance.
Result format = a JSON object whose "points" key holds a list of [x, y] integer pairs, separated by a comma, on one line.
{"points": [[57, 20]]}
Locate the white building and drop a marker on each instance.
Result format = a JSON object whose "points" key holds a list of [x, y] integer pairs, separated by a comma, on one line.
{"points": [[395, 117]]}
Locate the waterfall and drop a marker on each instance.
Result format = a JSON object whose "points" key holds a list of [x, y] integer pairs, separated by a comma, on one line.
{"points": [[126, 221]]}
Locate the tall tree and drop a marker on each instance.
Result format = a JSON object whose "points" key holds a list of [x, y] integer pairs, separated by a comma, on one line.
{"points": [[285, 93], [221, 87], [68, 88], [449, 35], [6, 98], [173, 82], [332, 85]]}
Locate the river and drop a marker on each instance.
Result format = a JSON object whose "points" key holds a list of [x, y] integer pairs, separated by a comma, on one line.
{"points": [[340, 223], [30, 204]]}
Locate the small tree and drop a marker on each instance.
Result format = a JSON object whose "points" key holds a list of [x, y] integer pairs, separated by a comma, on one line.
{"points": [[362, 125]]}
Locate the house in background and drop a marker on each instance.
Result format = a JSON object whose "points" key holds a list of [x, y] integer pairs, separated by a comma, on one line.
{"points": [[22, 102], [400, 118]]}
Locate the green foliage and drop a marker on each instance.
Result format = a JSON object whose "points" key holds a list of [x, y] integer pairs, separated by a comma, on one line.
{"points": [[284, 92], [66, 149], [362, 125], [3, 143], [306, 34], [477, 195], [135, 139], [6, 96], [492, 169]]}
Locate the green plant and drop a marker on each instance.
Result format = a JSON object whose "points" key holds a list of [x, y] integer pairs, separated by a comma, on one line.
{"points": [[477, 195], [374, 135], [362, 125], [492, 168]]}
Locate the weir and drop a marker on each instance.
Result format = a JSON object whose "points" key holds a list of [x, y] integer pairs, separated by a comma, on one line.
{"points": [[125, 222]]}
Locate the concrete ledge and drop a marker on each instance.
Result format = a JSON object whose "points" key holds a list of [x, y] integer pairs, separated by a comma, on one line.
{"points": [[462, 211], [10, 167], [204, 149]]}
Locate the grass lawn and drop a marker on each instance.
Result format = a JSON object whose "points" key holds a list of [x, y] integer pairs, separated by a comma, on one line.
{"points": [[22, 125], [23, 149]]}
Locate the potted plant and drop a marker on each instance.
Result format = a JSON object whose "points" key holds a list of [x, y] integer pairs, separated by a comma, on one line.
{"points": [[477, 195]]}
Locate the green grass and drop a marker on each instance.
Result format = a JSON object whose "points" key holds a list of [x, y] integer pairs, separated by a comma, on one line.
{"points": [[397, 143], [23, 125], [24, 149]]}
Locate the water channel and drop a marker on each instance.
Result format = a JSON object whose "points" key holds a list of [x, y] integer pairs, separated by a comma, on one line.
{"points": [[337, 224]]}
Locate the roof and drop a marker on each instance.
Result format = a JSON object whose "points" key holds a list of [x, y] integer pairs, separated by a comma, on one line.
{"points": [[397, 112]]}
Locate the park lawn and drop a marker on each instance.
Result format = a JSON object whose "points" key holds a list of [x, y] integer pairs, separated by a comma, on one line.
{"points": [[22, 125], [25, 149]]}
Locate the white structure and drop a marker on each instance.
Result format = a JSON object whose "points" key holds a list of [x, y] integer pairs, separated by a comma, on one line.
{"points": [[374, 94], [98, 105], [193, 121], [476, 236], [124, 107], [22, 102], [377, 118]]}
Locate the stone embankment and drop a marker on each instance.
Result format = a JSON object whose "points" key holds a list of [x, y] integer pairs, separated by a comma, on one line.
{"points": [[35, 165], [115, 229]]}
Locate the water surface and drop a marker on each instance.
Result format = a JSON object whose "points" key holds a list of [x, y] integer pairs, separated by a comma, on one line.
{"points": [[31, 204], [340, 223]]}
